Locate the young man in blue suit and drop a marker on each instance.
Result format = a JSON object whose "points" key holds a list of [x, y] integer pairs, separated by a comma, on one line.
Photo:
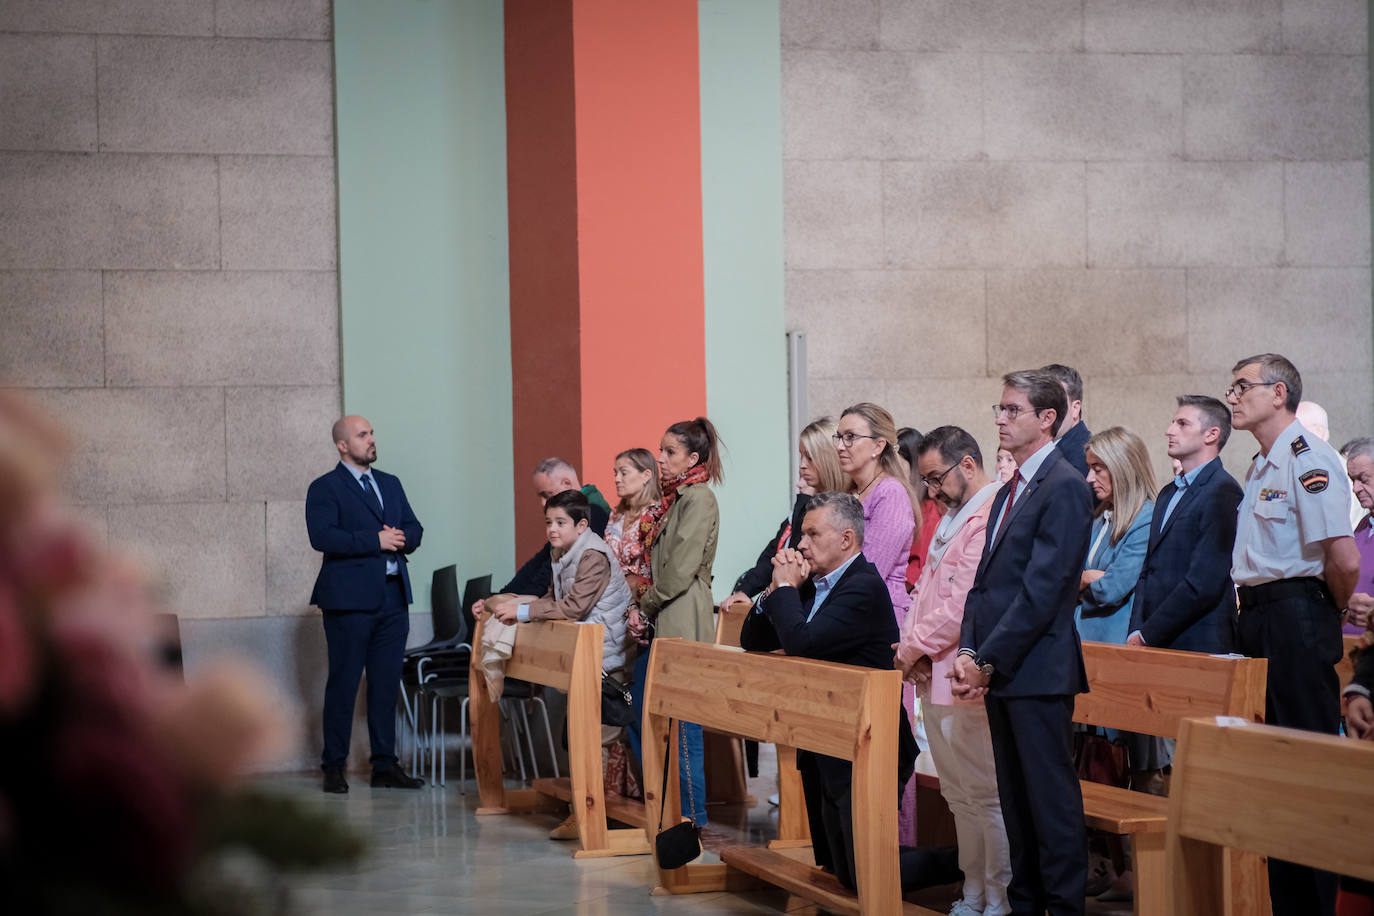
{"points": [[1185, 598], [360, 520], [1019, 648], [1072, 438]]}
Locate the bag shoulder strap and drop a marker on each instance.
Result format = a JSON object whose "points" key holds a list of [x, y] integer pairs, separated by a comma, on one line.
{"points": [[663, 791]]}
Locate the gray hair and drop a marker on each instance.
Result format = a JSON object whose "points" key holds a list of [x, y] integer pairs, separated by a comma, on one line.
{"points": [[1362, 447], [848, 511], [1275, 368], [552, 465]]}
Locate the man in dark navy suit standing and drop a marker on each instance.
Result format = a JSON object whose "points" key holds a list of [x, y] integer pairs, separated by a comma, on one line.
{"points": [[1185, 599], [360, 520], [1072, 438], [1019, 647]]}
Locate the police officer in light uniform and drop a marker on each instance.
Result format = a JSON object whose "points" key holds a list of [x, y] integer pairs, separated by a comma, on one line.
{"points": [[1295, 564]]}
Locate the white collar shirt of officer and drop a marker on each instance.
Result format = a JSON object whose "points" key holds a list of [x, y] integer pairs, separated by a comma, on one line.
{"points": [[1295, 498]]}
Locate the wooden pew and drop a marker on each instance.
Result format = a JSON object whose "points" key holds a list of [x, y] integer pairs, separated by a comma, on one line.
{"points": [[1279, 792], [794, 830], [839, 710], [726, 780], [567, 656], [1152, 691]]}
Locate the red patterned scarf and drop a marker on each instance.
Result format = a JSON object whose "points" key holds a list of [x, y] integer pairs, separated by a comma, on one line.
{"points": [[651, 522]]}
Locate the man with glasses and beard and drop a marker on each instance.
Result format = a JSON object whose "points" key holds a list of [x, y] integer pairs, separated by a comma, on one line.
{"points": [[951, 469]]}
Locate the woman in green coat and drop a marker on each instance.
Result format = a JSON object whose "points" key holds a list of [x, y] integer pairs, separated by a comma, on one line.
{"points": [[680, 540]]}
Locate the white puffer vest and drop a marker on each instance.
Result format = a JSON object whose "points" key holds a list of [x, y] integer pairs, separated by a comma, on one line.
{"points": [[609, 610]]}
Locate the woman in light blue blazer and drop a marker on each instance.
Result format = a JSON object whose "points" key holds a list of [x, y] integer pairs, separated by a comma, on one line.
{"points": [[1121, 477], [1120, 474]]}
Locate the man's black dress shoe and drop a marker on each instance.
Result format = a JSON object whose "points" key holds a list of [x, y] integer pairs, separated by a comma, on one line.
{"points": [[394, 778], [334, 780]]}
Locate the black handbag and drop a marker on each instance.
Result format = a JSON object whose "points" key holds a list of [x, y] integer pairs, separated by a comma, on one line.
{"points": [[680, 843], [617, 707]]}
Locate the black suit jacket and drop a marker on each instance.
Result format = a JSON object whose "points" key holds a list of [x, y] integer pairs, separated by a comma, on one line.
{"points": [[855, 626], [1185, 598], [1019, 613], [343, 521], [1072, 447]]}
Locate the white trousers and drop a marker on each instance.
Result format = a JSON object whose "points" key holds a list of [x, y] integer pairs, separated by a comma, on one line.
{"points": [[962, 750]]}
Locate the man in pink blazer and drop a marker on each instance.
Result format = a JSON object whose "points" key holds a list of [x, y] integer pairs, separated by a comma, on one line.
{"points": [[951, 468]]}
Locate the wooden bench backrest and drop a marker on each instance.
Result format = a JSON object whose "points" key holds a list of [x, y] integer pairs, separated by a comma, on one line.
{"points": [[544, 651], [1290, 794], [729, 624], [1151, 691], [836, 710], [819, 706]]}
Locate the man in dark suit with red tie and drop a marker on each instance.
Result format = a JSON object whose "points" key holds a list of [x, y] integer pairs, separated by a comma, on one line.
{"points": [[1019, 647], [358, 517]]}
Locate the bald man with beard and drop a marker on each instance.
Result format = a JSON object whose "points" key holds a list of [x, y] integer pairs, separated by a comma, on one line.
{"points": [[359, 518]]}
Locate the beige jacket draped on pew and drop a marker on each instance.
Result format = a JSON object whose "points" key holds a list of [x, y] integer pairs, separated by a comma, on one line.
{"points": [[679, 601]]}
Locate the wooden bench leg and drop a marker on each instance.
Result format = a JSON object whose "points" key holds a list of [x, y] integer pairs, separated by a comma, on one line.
{"points": [[1246, 883], [794, 830], [1151, 887]]}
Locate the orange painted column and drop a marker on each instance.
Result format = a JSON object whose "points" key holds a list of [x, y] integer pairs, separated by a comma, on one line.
{"points": [[604, 176]]}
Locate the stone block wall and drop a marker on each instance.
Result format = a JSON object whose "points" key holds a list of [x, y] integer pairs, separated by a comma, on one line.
{"points": [[1146, 191], [168, 288]]}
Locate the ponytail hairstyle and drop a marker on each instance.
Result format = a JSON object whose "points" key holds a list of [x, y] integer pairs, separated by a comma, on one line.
{"points": [[881, 425], [700, 436]]}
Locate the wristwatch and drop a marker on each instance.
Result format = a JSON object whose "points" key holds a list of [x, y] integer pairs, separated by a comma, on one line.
{"points": [[984, 668]]}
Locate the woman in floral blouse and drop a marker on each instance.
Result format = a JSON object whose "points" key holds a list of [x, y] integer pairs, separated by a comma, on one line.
{"points": [[636, 483]]}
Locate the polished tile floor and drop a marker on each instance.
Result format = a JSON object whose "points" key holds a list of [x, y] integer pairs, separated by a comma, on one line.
{"points": [[429, 854]]}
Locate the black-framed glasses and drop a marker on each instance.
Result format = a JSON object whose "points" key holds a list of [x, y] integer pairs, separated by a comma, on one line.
{"points": [[1238, 389], [848, 439], [936, 482]]}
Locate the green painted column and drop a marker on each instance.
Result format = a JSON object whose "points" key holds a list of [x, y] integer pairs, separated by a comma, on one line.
{"points": [[746, 351], [424, 282]]}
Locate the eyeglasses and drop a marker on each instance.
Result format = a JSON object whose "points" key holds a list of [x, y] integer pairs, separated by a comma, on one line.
{"points": [[1241, 386], [848, 439], [936, 482], [1011, 410]]}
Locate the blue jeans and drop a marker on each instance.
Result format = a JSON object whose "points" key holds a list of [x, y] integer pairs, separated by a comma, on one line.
{"points": [[690, 742]]}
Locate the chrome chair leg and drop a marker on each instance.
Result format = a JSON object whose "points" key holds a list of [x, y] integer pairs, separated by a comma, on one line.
{"points": [[548, 733], [463, 751], [529, 737]]}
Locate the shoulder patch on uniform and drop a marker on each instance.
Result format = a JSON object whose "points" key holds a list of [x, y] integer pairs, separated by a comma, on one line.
{"points": [[1300, 445], [1314, 481]]}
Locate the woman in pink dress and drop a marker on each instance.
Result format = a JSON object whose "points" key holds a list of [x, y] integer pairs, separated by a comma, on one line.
{"points": [[866, 442]]}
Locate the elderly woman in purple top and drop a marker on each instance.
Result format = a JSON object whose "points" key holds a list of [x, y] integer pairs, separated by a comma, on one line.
{"points": [[866, 441], [1359, 464]]}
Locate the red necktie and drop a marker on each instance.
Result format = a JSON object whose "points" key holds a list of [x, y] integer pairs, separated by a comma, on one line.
{"points": [[1011, 498]]}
